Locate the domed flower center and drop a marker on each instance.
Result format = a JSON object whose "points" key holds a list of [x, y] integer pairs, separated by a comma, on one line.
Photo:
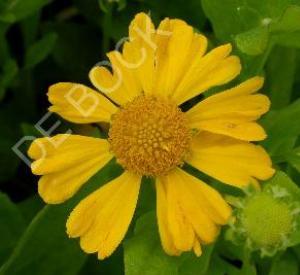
{"points": [[267, 220], [149, 136]]}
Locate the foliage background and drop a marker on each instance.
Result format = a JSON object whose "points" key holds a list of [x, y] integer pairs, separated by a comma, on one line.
{"points": [[44, 41]]}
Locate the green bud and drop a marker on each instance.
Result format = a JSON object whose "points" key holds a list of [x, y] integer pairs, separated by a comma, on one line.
{"points": [[264, 221]]}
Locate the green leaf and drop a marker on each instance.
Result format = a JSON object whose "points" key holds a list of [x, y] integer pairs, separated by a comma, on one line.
{"points": [[282, 128], [286, 264], [69, 54], [11, 226], [287, 39], [45, 248], [294, 158], [44, 243], [219, 266], [289, 22], [8, 161], [143, 252], [231, 18], [236, 17], [113, 265], [191, 13], [282, 180], [9, 72], [286, 31], [40, 50], [106, 5], [248, 269], [253, 42], [30, 207], [192, 265], [7, 18], [147, 199], [280, 82], [19, 9]]}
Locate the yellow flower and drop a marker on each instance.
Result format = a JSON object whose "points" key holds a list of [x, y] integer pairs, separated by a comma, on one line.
{"points": [[149, 135]]}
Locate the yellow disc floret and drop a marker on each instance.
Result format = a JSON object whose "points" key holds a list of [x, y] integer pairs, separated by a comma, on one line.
{"points": [[149, 136]]}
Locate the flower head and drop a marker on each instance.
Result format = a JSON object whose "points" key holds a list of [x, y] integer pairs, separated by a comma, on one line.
{"points": [[149, 135], [265, 220]]}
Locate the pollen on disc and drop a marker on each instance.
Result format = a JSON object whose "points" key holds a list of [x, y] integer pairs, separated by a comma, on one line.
{"points": [[149, 136]]}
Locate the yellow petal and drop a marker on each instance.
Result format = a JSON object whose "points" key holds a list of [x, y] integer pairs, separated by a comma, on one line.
{"points": [[197, 248], [229, 160], [163, 226], [179, 225], [133, 69], [142, 30], [102, 219], [232, 112], [141, 60], [110, 84], [83, 215], [139, 51], [209, 200], [195, 213], [188, 212], [129, 79], [79, 104], [66, 163], [214, 69], [174, 40], [247, 131]]}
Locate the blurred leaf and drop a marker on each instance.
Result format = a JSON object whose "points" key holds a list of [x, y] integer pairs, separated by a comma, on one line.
{"points": [[30, 27], [282, 180], [8, 161], [30, 207], [236, 17], [294, 158], [287, 39], [30, 130], [11, 226], [143, 252], [248, 269], [147, 199], [7, 18], [44, 243], [231, 18], [290, 20], [69, 53], [280, 82], [286, 31], [106, 5], [90, 10], [219, 266], [253, 42], [192, 12], [19, 9], [113, 265], [40, 50], [281, 126], [9, 72], [45, 248], [286, 264], [192, 265]]}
